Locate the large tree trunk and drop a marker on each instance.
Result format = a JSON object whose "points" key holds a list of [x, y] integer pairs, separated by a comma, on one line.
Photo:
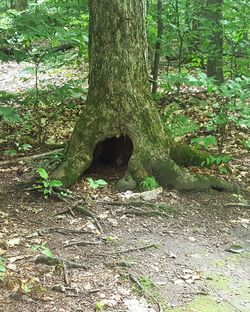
{"points": [[215, 40], [120, 123]]}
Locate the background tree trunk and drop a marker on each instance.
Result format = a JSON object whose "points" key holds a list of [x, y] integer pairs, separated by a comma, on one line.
{"points": [[155, 70], [21, 5], [215, 40], [118, 113]]}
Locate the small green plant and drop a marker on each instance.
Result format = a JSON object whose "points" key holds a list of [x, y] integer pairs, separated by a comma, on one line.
{"points": [[99, 306], [43, 249], [45, 185], [2, 266], [23, 147], [175, 122], [95, 184], [149, 290], [216, 160], [10, 152], [149, 183], [247, 144], [9, 115], [147, 284], [205, 141], [110, 239]]}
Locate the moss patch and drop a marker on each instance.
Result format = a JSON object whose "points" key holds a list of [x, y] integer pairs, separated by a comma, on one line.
{"points": [[205, 304], [186, 156]]}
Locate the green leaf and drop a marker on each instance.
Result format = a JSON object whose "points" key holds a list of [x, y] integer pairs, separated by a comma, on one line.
{"points": [[55, 183], [9, 115], [10, 153], [43, 249], [2, 266], [46, 184], [237, 249], [247, 143], [47, 252], [205, 141], [43, 173], [96, 183]]}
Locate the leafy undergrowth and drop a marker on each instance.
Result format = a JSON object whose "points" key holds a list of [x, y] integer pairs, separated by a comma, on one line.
{"points": [[36, 120]]}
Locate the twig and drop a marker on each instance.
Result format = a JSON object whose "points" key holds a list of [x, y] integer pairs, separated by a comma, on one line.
{"points": [[242, 205], [88, 213], [29, 220], [65, 231], [81, 243], [59, 261], [28, 158], [137, 248], [66, 274]]}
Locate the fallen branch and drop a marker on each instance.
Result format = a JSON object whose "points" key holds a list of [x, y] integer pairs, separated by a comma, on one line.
{"points": [[64, 231], [58, 261], [78, 207], [28, 158], [138, 248], [242, 205], [66, 274], [88, 213], [81, 243]]}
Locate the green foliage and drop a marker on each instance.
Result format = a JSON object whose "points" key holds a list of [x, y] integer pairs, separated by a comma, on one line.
{"points": [[10, 152], [2, 266], [148, 184], [9, 115], [45, 28], [180, 125], [247, 144], [216, 160], [43, 249], [95, 184], [205, 141], [99, 306], [45, 185], [233, 108], [23, 147]]}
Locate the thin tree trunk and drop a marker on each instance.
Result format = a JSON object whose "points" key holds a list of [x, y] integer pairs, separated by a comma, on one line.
{"points": [[160, 28], [21, 5], [215, 40]]}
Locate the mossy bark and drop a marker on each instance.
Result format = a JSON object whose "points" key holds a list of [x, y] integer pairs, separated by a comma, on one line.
{"points": [[118, 102], [186, 156]]}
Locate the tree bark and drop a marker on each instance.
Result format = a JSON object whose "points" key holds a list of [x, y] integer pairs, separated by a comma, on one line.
{"points": [[21, 5], [160, 27], [118, 104], [215, 40]]}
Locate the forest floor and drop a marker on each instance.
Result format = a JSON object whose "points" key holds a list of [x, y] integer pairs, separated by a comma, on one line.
{"points": [[193, 257], [190, 252]]}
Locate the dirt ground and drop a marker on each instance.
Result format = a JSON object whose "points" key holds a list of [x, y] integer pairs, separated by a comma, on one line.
{"points": [[174, 262]]}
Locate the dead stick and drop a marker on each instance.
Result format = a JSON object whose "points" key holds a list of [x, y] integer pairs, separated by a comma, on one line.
{"points": [[81, 243], [28, 158], [138, 248], [66, 274]]}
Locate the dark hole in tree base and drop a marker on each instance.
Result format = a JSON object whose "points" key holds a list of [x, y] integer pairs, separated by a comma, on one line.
{"points": [[111, 156]]}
